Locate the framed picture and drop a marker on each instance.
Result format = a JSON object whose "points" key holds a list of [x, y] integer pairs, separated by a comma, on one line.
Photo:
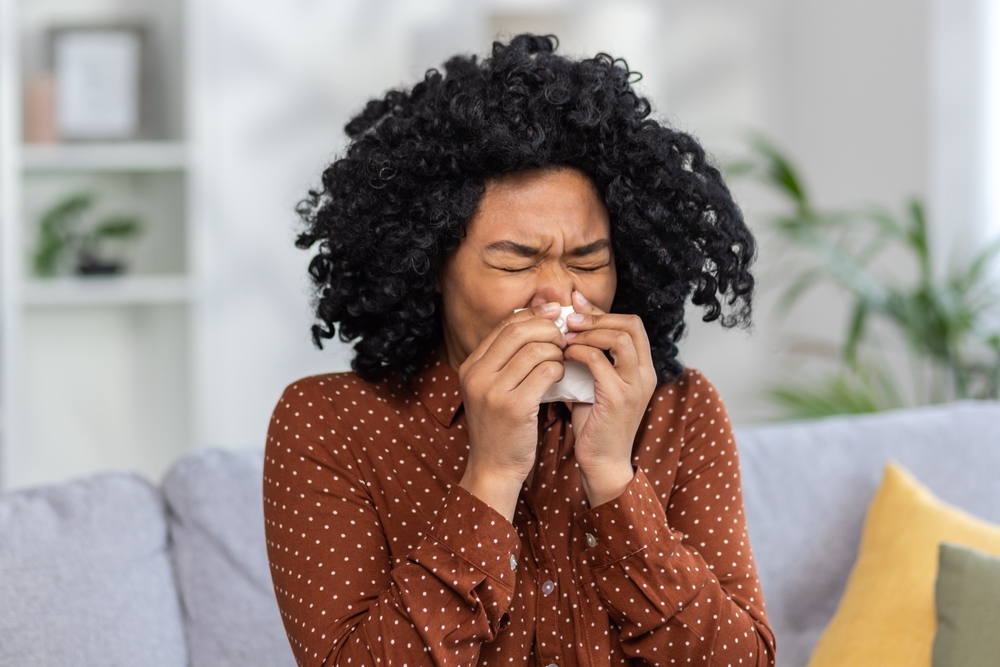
{"points": [[97, 81]]}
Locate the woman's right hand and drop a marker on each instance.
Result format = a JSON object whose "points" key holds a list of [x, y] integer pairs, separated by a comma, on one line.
{"points": [[503, 380]]}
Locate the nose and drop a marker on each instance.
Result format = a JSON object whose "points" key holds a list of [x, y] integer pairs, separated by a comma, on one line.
{"points": [[553, 284]]}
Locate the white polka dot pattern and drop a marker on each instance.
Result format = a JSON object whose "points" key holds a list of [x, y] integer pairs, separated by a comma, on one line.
{"points": [[378, 557]]}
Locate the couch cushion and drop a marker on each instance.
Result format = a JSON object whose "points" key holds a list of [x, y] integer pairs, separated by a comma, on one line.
{"points": [[216, 520], [886, 616], [85, 577], [807, 485], [967, 598]]}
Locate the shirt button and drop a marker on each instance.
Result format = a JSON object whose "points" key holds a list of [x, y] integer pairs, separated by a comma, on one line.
{"points": [[548, 587], [552, 664], [591, 540], [513, 562]]}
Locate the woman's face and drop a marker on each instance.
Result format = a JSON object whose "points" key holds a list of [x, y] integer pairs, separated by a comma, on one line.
{"points": [[534, 238]]}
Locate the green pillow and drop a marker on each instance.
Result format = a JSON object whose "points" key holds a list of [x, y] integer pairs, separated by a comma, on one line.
{"points": [[967, 597]]}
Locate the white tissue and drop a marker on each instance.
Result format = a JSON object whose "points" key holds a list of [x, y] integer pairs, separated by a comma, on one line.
{"points": [[577, 385]]}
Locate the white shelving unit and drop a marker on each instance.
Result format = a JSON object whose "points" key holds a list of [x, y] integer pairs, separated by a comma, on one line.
{"points": [[131, 156], [123, 291], [97, 372]]}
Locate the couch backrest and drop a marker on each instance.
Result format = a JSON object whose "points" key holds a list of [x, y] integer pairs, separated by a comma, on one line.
{"points": [[807, 486], [85, 576], [215, 507]]}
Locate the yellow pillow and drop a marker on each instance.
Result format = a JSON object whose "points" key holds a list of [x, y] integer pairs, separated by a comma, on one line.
{"points": [[886, 617]]}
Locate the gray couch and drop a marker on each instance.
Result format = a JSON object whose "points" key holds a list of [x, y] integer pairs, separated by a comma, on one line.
{"points": [[111, 570]]}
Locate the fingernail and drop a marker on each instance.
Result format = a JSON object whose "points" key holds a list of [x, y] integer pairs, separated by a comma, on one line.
{"points": [[551, 307], [582, 298], [575, 318], [570, 335]]}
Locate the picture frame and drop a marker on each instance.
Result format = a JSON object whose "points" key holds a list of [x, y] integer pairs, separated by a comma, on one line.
{"points": [[98, 73]]}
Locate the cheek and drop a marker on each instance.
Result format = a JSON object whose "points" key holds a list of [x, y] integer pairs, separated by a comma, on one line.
{"points": [[491, 296], [497, 300], [475, 302]]}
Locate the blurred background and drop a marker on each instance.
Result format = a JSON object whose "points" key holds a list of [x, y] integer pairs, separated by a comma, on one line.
{"points": [[152, 153]]}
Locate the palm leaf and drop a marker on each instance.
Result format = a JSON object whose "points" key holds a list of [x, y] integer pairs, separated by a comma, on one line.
{"points": [[779, 172], [802, 284], [856, 331], [917, 239], [739, 168], [940, 320], [834, 396], [976, 271]]}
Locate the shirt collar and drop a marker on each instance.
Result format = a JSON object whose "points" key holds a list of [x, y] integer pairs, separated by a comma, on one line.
{"points": [[439, 389]]}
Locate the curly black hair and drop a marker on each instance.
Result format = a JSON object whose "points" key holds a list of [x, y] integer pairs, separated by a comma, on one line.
{"points": [[398, 202]]}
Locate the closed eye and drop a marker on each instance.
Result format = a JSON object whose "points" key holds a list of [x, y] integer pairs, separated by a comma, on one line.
{"points": [[588, 269]]}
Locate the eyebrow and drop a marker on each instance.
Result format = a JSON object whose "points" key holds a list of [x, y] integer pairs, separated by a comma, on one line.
{"points": [[513, 248], [528, 251], [590, 248]]}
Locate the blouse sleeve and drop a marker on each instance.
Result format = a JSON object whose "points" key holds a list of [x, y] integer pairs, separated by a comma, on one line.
{"points": [[680, 579], [341, 599]]}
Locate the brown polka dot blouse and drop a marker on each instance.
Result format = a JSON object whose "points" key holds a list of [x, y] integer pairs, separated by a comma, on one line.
{"points": [[379, 557]]}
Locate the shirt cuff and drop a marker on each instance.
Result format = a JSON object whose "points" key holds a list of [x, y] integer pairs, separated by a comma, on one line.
{"points": [[477, 534], [619, 528]]}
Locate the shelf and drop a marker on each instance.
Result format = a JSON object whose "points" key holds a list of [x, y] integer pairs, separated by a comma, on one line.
{"points": [[106, 291], [97, 372], [119, 156]]}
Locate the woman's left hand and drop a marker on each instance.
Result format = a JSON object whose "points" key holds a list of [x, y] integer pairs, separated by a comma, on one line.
{"points": [[605, 430]]}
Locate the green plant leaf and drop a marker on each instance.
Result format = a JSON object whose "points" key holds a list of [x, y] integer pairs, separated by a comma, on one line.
{"points": [[967, 280], [67, 210], [886, 223], [950, 326], [739, 168], [47, 254], [802, 284], [118, 227], [834, 396], [55, 231], [856, 331], [917, 238], [779, 172]]}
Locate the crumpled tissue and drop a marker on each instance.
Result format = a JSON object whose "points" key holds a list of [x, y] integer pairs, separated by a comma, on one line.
{"points": [[577, 385]]}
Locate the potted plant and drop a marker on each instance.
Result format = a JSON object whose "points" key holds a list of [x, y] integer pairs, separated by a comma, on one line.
{"points": [[949, 325], [61, 233]]}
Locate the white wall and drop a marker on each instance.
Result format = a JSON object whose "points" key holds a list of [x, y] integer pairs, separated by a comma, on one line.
{"points": [[276, 87], [843, 86], [958, 152], [991, 109]]}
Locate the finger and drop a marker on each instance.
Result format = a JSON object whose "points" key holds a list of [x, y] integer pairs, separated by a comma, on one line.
{"points": [[538, 381], [619, 344], [546, 310], [594, 318], [509, 341], [582, 305], [524, 361], [602, 370]]}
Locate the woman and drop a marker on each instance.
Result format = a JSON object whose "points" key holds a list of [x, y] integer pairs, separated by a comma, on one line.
{"points": [[427, 508]]}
